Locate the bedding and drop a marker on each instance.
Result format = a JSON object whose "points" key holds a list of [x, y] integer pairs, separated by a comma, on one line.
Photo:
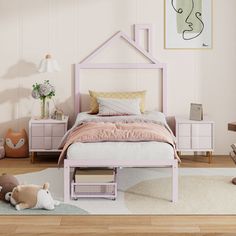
{"points": [[138, 128], [134, 151], [118, 95], [117, 107]]}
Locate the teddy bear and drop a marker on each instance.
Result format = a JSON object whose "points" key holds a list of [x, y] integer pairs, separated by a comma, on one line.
{"points": [[32, 196], [7, 184]]}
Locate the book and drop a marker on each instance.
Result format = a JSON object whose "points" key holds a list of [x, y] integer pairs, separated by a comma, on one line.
{"points": [[92, 175]]}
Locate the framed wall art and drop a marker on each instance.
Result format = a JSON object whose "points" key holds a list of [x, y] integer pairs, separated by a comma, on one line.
{"points": [[196, 112], [188, 24]]}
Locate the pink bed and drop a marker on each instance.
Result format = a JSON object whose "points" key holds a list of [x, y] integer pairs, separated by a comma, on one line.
{"points": [[155, 136]]}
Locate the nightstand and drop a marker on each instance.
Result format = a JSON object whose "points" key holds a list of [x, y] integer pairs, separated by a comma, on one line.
{"points": [[46, 135], [195, 136]]}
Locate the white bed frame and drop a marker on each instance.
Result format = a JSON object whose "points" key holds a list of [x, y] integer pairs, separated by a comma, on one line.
{"points": [[155, 64]]}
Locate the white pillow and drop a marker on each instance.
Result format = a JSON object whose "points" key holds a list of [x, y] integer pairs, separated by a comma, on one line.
{"points": [[118, 107]]}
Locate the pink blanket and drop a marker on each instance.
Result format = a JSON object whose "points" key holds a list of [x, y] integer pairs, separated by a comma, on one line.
{"points": [[118, 132]]}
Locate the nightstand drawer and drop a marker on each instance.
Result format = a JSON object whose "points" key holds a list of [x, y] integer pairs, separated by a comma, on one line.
{"points": [[201, 130], [184, 143], [202, 143], [55, 142], [44, 143], [47, 130], [184, 130], [37, 143], [37, 130], [58, 130], [47, 143]]}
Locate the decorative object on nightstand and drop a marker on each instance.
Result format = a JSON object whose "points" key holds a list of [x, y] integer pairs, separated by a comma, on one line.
{"points": [[196, 112], [44, 92], [45, 135], [58, 114], [195, 136], [2, 149]]}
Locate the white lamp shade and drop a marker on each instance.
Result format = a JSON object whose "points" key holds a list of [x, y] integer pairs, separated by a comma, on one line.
{"points": [[48, 65]]}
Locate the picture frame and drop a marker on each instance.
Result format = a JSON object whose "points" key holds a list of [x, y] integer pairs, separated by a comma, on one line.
{"points": [[58, 114], [188, 24], [196, 112]]}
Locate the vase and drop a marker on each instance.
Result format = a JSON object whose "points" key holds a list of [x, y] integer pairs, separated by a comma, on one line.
{"points": [[43, 108], [47, 111]]}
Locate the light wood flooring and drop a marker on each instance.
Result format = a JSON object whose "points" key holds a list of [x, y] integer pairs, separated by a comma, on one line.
{"points": [[115, 225]]}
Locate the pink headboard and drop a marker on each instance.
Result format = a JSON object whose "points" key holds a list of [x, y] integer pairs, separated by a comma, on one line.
{"points": [[154, 64]]}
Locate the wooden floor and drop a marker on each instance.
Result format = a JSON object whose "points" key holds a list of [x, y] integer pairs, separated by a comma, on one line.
{"points": [[115, 225]]}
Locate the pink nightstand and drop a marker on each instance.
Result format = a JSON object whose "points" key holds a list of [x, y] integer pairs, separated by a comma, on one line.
{"points": [[46, 135], [195, 136]]}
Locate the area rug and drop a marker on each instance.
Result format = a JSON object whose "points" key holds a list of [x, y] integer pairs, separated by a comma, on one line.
{"points": [[62, 209], [146, 191]]}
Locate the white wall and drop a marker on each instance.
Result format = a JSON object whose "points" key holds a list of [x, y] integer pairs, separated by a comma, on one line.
{"points": [[71, 29]]}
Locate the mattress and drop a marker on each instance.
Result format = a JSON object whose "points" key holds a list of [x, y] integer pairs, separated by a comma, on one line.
{"points": [[135, 151]]}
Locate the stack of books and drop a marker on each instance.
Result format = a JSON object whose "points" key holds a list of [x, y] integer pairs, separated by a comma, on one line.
{"points": [[94, 175], [233, 153]]}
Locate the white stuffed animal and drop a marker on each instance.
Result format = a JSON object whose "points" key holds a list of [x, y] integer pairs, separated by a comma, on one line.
{"points": [[32, 196]]}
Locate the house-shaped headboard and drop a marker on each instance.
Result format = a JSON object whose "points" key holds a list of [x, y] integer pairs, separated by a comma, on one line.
{"points": [[154, 64]]}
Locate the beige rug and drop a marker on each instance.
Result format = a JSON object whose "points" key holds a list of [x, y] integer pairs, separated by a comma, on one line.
{"points": [[148, 191], [197, 195]]}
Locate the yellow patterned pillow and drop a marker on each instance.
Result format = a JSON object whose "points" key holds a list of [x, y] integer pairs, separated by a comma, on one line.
{"points": [[120, 95]]}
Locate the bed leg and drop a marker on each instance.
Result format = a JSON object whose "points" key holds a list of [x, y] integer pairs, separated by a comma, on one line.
{"points": [[66, 182], [175, 181]]}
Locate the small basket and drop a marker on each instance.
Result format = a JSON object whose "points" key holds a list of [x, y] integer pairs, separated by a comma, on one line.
{"points": [[94, 189]]}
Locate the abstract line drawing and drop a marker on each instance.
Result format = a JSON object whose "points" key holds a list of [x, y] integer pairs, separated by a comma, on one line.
{"points": [[180, 10], [188, 23]]}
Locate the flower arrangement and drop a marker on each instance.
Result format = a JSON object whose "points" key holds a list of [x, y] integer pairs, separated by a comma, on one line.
{"points": [[42, 92]]}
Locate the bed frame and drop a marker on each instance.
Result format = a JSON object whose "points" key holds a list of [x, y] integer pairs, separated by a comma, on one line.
{"points": [[154, 64]]}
